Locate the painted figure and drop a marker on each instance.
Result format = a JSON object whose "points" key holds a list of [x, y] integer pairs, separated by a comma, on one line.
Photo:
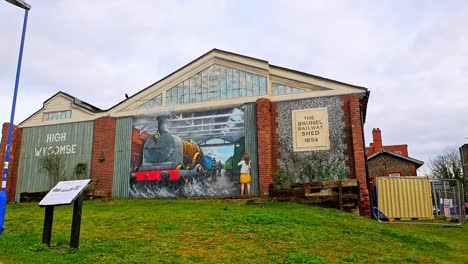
{"points": [[214, 169], [245, 178], [220, 166]]}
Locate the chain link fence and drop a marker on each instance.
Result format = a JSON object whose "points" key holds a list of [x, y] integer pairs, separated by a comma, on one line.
{"points": [[419, 200]]}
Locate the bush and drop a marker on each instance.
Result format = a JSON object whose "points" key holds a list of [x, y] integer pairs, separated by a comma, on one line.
{"points": [[81, 170], [281, 176]]}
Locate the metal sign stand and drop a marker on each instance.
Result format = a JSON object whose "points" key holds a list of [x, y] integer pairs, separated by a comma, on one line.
{"points": [[65, 192]]}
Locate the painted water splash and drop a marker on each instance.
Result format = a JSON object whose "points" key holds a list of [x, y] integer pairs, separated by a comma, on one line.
{"points": [[224, 185]]}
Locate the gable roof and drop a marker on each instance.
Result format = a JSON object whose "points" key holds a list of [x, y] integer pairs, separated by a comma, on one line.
{"points": [[87, 107], [274, 73], [391, 153]]}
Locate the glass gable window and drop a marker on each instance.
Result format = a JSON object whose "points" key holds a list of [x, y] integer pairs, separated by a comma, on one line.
{"points": [[215, 83], [152, 103], [278, 89], [57, 115]]}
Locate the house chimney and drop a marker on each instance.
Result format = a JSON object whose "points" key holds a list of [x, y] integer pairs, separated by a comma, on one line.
{"points": [[377, 139]]}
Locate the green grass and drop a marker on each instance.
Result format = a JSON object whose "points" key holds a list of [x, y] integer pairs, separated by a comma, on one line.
{"points": [[222, 231]]}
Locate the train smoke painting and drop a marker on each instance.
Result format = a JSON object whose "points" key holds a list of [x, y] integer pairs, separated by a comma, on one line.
{"points": [[187, 154]]}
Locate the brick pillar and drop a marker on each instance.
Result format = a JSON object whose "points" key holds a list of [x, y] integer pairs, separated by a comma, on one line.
{"points": [[13, 166], [102, 171], [265, 157], [348, 137], [359, 154]]}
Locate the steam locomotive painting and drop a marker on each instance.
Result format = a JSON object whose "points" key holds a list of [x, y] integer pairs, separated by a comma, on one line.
{"points": [[189, 154], [169, 159]]}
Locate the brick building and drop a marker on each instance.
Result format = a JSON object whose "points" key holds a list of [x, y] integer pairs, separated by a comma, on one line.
{"points": [[162, 140], [389, 160]]}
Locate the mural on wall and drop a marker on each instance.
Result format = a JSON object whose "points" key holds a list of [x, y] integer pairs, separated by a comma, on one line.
{"points": [[187, 154]]}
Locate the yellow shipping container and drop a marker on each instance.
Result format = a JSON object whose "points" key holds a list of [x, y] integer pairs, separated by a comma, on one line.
{"points": [[405, 198]]}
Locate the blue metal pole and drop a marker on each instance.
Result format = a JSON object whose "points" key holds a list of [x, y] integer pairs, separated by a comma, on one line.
{"points": [[3, 195]]}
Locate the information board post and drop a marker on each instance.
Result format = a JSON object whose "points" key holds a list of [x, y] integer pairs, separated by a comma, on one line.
{"points": [[48, 220], [76, 222], [64, 193]]}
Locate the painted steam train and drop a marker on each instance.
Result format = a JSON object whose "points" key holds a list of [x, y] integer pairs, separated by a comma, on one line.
{"points": [[169, 159]]}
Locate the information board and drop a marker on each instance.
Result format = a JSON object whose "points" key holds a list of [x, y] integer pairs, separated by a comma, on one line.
{"points": [[310, 129], [65, 192]]}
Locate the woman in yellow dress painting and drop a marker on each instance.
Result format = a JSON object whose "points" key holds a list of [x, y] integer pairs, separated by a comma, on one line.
{"points": [[245, 178]]}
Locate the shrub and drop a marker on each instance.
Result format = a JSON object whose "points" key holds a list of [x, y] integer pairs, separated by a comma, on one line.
{"points": [[281, 176], [81, 170]]}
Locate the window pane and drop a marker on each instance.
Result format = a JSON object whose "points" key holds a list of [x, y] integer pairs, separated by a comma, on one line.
{"points": [[229, 83], [242, 85], [205, 85], [235, 83], [255, 84], [281, 89], [168, 97], [263, 85], [186, 91], [216, 82], [210, 83], [223, 80], [180, 93], [248, 84], [274, 88], [198, 90], [159, 100], [192, 89]]}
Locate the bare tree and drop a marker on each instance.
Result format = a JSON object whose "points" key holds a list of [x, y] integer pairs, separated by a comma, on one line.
{"points": [[447, 166]]}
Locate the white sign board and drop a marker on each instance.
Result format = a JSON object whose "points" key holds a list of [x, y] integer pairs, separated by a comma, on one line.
{"points": [[310, 129], [65, 192]]}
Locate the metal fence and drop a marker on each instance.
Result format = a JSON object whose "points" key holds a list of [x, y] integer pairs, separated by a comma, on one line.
{"points": [[419, 200]]}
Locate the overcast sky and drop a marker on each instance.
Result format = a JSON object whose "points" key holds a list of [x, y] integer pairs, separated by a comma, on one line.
{"points": [[411, 55]]}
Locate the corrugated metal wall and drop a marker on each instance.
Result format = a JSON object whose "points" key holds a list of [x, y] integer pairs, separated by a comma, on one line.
{"points": [[73, 142], [250, 123], [405, 197], [123, 143]]}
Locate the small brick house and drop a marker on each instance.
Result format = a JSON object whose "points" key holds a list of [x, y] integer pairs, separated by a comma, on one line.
{"points": [[223, 103], [389, 160]]}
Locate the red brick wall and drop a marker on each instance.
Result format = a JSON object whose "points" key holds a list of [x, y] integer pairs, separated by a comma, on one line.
{"points": [[13, 166], [354, 126], [265, 147], [400, 149], [384, 164], [377, 145], [102, 173]]}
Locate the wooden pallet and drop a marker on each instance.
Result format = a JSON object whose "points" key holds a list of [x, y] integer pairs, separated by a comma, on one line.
{"points": [[342, 195]]}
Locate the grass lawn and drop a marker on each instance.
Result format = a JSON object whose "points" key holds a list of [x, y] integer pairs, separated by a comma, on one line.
{"points": [[222, 231]]}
